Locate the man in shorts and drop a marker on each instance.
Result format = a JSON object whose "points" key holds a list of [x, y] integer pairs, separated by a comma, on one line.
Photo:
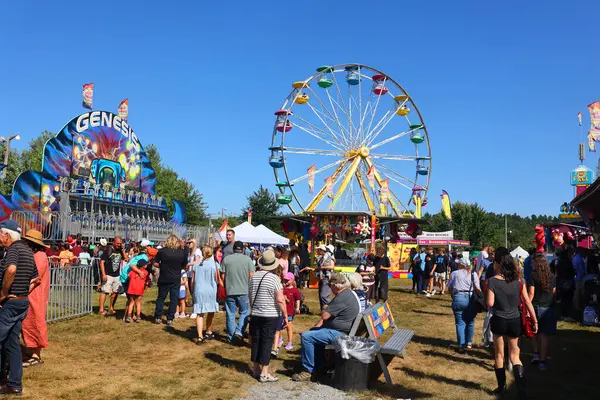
{"points": [[110, 268], [441, 270]]}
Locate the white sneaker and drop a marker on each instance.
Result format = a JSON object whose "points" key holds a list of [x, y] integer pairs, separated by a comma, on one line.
{"points": [[433, 293], [428, 295], [193, 316]]}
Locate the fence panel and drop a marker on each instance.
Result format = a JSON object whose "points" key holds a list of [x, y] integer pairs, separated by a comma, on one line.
{"points": [[71, 291]]}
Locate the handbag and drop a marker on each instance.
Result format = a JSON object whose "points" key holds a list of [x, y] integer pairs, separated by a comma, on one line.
{"points": [[221, 292], [478, 299], [526, 320]]}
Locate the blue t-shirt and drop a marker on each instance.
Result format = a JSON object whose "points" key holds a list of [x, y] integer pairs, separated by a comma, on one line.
{"points": [[422, 257]]}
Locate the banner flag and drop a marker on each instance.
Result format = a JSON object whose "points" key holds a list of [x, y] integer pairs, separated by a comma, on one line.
{"points": [[329, 184], [593, 135], [446, 205], [579, 117], [385, 191], [88, 95], [594, 110], [124, 109], [311, 179], [418, 205], [371, 176]]}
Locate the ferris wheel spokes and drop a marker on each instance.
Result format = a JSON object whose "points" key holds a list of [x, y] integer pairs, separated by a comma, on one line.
{"points": [[321, 193], [333, 118], [391, 139], [317, 171], [316, 135], [320, 152], [318, 113]]}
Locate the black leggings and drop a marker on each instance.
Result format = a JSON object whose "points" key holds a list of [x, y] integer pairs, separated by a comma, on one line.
{"points": [[262, 332], [381, 289]]}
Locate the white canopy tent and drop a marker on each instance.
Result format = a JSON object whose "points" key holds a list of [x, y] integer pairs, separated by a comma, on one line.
{"points": [[270, 237], [519, 252], [248, 233]]}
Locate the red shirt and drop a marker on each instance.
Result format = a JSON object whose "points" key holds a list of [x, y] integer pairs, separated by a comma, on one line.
{"points": [[292, 295], [137, 284], [76, 251]]}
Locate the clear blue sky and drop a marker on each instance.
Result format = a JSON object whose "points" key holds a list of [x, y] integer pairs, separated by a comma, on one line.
{"points": [[499, 85]]}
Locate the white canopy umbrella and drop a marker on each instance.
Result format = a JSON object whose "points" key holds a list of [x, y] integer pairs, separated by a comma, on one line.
{"points": [[519, 252], [270, 237]]}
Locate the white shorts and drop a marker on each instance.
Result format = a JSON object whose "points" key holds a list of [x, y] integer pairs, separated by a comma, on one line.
{"points": [[112, 285], [440, 275]]}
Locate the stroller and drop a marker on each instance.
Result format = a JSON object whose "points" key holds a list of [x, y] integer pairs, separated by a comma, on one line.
{"points": [[591, 301]]}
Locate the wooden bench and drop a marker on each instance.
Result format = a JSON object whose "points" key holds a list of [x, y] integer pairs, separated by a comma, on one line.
{"points": [[372, 324]]}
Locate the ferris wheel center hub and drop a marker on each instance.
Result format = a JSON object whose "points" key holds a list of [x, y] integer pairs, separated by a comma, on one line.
{"points": [[364, 152]]}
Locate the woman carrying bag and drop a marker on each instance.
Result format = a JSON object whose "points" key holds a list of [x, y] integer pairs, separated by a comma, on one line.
{"points": [[463, 285]]}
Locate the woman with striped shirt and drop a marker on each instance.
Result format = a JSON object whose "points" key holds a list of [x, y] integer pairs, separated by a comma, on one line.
{"points": [[267, 307]]}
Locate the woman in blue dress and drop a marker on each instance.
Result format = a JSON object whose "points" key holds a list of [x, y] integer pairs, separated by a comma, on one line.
{"points": [[206, 279]]}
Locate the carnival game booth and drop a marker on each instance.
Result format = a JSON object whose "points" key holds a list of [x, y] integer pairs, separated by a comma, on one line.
{"points": [[587, 204], [96, 181], [361, 228]]}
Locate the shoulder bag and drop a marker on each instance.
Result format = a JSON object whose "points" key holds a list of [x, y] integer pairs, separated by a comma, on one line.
{"points": [[478, 298], [526, 320]]}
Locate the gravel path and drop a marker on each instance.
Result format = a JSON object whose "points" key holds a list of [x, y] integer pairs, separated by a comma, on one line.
{"points": [[288, 389]]}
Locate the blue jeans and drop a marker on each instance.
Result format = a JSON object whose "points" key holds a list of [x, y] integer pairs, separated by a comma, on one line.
{"points": [[232, 303], [313, 346], [172, 289], [464, 317], [12, 314], [418, 277]]}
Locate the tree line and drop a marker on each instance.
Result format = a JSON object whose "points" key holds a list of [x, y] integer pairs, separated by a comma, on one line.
{"points": [[471, 222]]}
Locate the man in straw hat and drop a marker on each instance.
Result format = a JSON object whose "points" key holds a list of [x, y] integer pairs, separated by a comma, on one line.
{"points": [[18, 275]]}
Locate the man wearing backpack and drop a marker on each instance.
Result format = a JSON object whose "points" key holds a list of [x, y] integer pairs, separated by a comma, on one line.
{"points": [[418, 263]]}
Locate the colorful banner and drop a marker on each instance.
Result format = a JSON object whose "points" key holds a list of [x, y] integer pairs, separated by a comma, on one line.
{"points": [[385, 191], [371, 177], [88, 95], [592, 137], [579, 117], [124, 109], [394, 253], [594, 110], [329, 184], [311, 179], [446, 205]]}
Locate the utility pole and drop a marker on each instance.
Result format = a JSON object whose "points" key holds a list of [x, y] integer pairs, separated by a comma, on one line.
{"points": [[7, 151], [505, 231], [223, 213]]}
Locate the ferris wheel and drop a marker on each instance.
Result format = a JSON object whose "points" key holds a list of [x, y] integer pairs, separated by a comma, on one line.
{"points": [[349, 138]]}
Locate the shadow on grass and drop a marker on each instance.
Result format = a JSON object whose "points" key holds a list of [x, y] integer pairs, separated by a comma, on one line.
{"points": [[239, 366], [446, 344], [439, 378], [456, 358], [396, 391], [430, 312]]}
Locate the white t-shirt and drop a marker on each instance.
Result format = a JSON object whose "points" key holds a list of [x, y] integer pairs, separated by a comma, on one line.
{"points": [[196, 254], [262, 295]]}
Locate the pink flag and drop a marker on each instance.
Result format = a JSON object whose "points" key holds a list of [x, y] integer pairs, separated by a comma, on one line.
{"points": [[371, 176], [88, 95], [385, 191], [329, 184], [311, 179]]}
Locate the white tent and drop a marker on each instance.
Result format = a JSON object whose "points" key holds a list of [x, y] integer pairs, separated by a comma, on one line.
{"points": [[247, 233], [270, 237], [519, 252]]}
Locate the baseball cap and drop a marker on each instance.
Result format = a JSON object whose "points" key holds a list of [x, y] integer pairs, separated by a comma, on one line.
{"points": [[145, 243], [464, 261], [288, 276], [238, 245], [322, 247], [10, 225]]}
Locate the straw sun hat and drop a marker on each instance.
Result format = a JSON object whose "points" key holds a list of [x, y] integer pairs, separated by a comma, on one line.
{"points": [[35, 236]]}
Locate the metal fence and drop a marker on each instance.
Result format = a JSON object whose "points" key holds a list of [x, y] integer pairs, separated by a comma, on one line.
{"points": [[71, 291], [57, 226]]}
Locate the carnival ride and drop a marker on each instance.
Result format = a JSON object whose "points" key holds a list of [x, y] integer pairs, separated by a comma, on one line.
{"points": [[362, 132]]}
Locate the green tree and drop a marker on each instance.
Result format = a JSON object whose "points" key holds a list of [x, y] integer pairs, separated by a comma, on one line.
{"points": [[264, 206], [33, 156], [172, 187]]}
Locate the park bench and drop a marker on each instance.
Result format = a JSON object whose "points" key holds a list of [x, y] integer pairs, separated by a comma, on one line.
{"points": [[372, 323]]}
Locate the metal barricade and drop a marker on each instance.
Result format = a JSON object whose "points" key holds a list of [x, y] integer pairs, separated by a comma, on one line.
{"points": [[71, 291]]}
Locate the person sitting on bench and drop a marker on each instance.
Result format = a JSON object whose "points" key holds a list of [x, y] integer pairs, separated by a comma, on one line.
{"points": [[336, 320]]}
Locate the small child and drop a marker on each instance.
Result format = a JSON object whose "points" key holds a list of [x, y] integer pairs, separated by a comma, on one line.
{"points": [[183, 289], [292, 299], [138, 282]]}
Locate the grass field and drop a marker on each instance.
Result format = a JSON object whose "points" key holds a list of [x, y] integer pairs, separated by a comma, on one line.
{"points": [[95, 357]]}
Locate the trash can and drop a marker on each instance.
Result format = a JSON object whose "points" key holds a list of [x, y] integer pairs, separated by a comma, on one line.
{"points": [[353, 359]]}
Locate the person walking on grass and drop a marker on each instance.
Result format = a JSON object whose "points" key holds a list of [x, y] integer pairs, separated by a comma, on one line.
{"points": [[194, 257], [428, 272], [110, 269], [292, 300], [237, 269], [461, 285], [382, 268], [268, 307], [441, 270], [542, 288], [135, 266], [170, 260], [35, 330], [504, 292], [206, 278]]}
